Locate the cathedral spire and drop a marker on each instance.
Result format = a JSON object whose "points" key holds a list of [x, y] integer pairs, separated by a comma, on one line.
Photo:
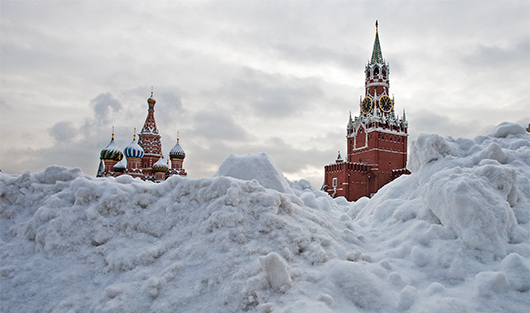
{"points": [[150, 124], [149, 140], [377, 55]]}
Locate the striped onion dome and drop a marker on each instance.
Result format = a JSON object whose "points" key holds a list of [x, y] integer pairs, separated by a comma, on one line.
{"points": [[177, 152], [133, 150], [111, 152], [119, 167], [160, 165]]}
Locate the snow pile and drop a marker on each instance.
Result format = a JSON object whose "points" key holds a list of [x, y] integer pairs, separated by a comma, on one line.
{"points": [[258, 166], [451, 237], [475, 190]]}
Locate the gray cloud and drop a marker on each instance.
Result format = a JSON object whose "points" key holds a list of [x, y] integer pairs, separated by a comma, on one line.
{"points": [[63, 131], [319, 55], [104, 104], [493, 56], [218, 127], [271, 95]]}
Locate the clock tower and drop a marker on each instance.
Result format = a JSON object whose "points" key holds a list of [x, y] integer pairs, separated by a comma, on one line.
{"points": [[376, 139]]}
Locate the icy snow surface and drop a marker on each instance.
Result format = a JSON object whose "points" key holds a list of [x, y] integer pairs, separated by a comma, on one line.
{"points": [[451, 237]]}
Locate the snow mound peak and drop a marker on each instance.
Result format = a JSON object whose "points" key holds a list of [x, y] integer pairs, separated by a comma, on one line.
{"points": [[258, 166], [505, 129]]}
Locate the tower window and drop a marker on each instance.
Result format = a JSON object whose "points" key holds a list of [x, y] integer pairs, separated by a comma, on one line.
{"points": [[376, 71], [334, 182]]}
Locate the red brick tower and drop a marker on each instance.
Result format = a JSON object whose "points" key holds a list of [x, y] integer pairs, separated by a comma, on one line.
{"points": [[376, 139], [149, 140]]}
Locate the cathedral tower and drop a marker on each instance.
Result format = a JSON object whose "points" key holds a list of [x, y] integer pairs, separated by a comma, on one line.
{"points": [[376, 139], [149, 140]]}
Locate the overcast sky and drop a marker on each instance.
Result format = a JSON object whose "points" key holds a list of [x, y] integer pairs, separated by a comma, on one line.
{"points": [[249, 76]]}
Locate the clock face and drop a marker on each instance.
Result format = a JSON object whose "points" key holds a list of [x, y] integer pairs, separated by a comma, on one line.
{"points": [[366, 105], [385, 103]]}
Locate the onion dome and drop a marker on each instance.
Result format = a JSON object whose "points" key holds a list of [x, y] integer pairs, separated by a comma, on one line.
{"points": [[111, 152], [151, 99], [133, 150], [160, 165], [119, 167], [177, 152]]}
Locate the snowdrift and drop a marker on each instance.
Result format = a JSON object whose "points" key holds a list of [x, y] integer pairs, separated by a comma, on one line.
{"points": [[451, 237]]}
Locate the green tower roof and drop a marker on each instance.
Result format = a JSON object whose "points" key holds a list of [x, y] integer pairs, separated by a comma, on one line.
{"points": [[377, 55]]}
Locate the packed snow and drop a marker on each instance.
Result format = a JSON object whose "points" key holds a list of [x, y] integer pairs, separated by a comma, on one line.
{"points": [[454, 236]]}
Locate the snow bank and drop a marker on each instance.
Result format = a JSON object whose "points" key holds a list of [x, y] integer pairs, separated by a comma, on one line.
{"points": [[451, 237], [71, 242], [258, 166]]}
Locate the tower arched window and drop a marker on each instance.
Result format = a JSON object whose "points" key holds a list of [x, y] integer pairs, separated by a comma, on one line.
{"points": [[376, 71], [384, 72]]}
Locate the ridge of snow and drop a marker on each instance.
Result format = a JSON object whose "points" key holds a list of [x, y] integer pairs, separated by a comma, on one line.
{"points": [[258, 166]]}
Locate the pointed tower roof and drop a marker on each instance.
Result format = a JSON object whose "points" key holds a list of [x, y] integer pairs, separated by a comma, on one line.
{"points": [[339, 158], [377, 55], [150, 124]]}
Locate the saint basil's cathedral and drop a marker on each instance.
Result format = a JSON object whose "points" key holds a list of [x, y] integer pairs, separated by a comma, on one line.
{"points": [[376, 139], [144, 157]]}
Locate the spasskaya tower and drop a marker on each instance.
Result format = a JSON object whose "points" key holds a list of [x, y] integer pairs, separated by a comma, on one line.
{"points": [[376, 139]]}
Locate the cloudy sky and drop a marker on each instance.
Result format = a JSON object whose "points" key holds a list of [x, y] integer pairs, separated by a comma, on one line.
{"points": [[249, 76]]}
